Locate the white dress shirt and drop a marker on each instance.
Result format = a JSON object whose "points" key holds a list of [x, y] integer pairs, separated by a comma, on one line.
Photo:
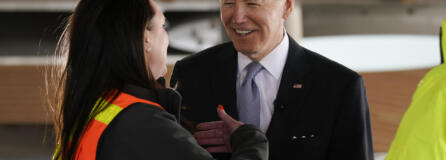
{"points": [[267, 80]]}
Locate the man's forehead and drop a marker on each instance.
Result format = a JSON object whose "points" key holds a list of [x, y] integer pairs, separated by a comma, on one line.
{"points": [[247, 0]]}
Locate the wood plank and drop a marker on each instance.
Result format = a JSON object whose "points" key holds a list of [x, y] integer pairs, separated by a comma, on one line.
{"points": [[389, 95]]}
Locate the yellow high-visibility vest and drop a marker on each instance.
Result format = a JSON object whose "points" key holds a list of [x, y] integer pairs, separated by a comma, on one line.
{"points": [[88, 142], [422, 131]]}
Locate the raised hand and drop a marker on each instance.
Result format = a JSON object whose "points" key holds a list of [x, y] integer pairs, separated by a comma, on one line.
{"points": [[215, 136]]}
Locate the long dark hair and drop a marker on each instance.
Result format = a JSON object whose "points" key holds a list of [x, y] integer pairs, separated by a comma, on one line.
{"points": [[103, 45]]}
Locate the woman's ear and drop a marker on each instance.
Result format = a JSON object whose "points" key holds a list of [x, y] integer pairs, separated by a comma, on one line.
{"points": [[147, 47]]}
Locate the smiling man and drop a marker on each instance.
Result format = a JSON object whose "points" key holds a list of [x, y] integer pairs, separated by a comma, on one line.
{"points": [[309, 106]]}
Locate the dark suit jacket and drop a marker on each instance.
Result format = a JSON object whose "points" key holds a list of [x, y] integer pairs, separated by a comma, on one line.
{"points": [[327, 117]]}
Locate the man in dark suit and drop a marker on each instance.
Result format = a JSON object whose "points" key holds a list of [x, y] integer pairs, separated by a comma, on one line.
{"points": [[309, 106]]}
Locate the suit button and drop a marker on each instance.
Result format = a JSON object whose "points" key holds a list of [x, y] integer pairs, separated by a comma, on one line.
{"points": [[282, 107], [312, 136], [294, 137]]}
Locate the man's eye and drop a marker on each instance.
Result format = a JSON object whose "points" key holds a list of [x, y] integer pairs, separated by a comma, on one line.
{"points": [[228, 4], [253, 4]]}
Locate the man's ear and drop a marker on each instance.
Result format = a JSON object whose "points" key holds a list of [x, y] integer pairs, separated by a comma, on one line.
{"points": [[289, 7]]}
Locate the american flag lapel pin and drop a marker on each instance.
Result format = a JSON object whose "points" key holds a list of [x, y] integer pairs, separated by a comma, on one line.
{"points": [[297, 85]]}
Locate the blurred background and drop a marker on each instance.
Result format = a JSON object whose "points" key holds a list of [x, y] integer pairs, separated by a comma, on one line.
{"points": [[391, 43]]}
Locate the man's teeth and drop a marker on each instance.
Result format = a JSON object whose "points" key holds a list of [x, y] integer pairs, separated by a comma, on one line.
{"points": [[242, 32]]}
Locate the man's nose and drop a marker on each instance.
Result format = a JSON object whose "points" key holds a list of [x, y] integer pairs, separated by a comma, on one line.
{"points": [[239, 15]]}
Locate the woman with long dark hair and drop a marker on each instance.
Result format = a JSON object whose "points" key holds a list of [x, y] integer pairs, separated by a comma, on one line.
{"points": [[108, 102]]}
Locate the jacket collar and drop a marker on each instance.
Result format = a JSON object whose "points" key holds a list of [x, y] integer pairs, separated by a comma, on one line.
{"points": [[141, 92], [169, 99], [296, 68]]}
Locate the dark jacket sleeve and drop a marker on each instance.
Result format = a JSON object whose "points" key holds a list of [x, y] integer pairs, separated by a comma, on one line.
{"points": [[244, 149], [352, 134], [146, 132]]}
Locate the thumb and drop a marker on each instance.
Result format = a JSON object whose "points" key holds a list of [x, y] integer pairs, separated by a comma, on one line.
{"points": [[229, 121]]}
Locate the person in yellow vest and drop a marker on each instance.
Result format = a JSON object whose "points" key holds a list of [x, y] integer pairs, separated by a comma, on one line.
{"points": [[109, 105], [422, 131]]}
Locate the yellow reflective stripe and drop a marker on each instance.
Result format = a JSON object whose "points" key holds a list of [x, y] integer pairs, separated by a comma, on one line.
{"points": [[107, 115], [443, 40], [57, 153], [101, 103]]}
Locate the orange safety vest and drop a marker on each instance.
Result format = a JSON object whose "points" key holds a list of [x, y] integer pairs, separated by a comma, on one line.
{"points": [[88, 143]]}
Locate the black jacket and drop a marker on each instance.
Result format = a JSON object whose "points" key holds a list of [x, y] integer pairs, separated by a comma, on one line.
{"points": [[321, 111], [143, 131]]}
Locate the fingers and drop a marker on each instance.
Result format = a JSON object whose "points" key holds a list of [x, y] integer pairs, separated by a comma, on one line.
{"points": [[210, 125], [231, 123], [223, 115], [218, 149], [210, 137], [215, 133]]}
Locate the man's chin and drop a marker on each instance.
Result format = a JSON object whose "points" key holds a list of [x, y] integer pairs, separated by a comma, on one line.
{"points": [[244, 47], [245, 51]]}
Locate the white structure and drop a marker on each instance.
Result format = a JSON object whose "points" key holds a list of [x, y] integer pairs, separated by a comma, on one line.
{"points": [[378, 53]]}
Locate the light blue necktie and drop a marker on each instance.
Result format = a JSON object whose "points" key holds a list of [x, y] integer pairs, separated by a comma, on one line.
{"points": [[248, 97]]}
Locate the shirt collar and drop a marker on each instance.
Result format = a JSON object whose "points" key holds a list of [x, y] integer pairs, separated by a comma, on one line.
{"points": [[273, 62]]}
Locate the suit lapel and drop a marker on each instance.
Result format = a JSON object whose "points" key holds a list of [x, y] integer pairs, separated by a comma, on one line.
{"points": [[293, 86], [224, 80]]}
